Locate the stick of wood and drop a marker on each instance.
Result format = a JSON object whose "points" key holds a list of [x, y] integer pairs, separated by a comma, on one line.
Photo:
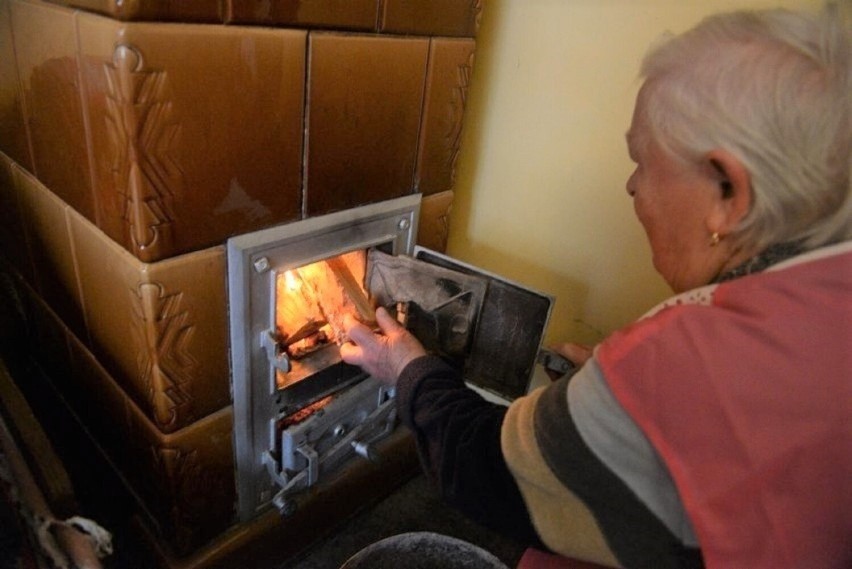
{"points": [[351, 288]]}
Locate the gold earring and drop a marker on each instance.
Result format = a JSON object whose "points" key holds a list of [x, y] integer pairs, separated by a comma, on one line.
{"points": [[714, 239]]}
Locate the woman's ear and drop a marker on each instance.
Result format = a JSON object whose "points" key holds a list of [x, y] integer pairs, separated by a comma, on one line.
{"points": [[734, 197]]}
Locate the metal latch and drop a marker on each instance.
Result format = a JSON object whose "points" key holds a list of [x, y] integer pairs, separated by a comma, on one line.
{"points": [[275, 353]]}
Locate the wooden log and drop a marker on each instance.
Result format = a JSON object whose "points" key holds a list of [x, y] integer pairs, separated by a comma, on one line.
{"points": [[353, 290], [337, 293]]}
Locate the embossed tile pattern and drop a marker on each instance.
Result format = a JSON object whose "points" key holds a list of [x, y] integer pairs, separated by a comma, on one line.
{"points": [[159, 329], [173, 137], [450, 68], [197, 131], [433, 228], [148, 144], [184, 479]]}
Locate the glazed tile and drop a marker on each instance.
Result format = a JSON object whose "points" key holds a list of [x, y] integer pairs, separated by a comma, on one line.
{"points": [[433, 228], [159, 329], [184, 303], [13, 134], [365, 99], [55, 278], [45, 47], [432, 17], [185, 479], [335, 14], [197, 130], [450, 68]]}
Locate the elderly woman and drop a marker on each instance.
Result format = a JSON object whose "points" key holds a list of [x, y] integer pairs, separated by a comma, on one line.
{"points": [[717, 429]]}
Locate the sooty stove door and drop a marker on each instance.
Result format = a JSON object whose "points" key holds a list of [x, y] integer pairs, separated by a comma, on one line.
{"points": [[488, 327]]}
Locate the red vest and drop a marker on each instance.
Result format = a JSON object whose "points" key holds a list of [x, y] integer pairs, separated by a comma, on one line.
{"points": [[748, 400]]}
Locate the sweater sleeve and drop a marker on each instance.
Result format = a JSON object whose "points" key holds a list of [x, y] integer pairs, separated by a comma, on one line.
{"points": [[457, 433], [591, 483]]}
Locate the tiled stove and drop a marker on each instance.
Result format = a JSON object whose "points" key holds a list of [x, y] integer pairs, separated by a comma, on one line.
{"points": [[136, 138]]}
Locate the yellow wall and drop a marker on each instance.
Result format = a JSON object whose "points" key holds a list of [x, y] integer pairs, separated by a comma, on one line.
{"points": [[540, 195]]}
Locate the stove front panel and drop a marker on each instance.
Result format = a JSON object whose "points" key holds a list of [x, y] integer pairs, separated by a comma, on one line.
{"points": [[292, 419]]}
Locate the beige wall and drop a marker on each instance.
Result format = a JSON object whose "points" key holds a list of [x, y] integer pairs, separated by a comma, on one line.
{"points": [[540, 190]]}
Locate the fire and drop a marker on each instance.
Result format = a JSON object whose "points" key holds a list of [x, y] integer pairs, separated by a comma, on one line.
{"points": [[311, 302], [291, 282]]}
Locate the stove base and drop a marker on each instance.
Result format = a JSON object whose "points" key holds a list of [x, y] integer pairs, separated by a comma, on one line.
{"points": [[271, 539]]}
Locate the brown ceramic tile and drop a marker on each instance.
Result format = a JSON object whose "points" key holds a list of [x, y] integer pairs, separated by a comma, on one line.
{"points": [[45, 47], [450, 67], [335, 14], [13, 134], [184, 303], [197, 130], [159, 329], [365, 99], [55, 278], [434, 224], [432, 17], [13, 244], [159, 10], [185, 480]]}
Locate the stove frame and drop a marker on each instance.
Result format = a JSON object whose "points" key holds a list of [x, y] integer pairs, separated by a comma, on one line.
{"points": [[254, 261]]}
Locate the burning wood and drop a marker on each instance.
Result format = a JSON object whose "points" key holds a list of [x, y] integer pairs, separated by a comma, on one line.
{"points": [[314, 299]]}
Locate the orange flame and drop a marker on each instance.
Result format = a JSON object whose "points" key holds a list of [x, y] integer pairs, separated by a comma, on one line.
{"points": [[291, 281]]}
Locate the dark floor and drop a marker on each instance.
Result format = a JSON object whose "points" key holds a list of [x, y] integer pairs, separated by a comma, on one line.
{"points": [[414, 507]]}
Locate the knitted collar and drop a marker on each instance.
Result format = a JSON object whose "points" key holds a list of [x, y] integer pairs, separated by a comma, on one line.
{"points": [[762, 261]]}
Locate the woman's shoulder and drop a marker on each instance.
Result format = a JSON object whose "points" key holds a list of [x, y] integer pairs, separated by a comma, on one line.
{"points": [[830, 265]]}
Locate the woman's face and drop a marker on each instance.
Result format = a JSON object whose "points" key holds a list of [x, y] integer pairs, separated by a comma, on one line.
{"points": [[673, 200]]}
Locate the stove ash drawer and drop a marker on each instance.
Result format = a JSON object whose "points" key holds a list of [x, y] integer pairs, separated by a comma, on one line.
{"points": [[325, 435]]}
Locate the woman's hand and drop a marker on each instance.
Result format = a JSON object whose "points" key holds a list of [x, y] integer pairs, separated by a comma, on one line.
{"points": [[384, 355], [576, 353]]}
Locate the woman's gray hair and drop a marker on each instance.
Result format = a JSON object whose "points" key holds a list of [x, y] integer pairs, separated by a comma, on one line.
{"points": [[775, 89]]}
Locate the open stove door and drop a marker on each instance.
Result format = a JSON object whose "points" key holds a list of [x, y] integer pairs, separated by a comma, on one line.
{"points": [[489, 328]]}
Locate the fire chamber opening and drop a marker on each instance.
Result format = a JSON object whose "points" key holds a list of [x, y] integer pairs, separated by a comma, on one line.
{"points": [[311, 303]]}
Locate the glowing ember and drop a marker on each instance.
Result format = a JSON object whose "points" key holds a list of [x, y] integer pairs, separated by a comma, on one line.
{"points": [[304, 413]]}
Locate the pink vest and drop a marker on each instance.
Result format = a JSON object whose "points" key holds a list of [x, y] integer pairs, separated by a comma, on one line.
{"points": [[747, 397]]}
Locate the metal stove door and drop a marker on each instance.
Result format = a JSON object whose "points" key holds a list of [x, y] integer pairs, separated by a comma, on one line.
{"points": [[490, 328]]}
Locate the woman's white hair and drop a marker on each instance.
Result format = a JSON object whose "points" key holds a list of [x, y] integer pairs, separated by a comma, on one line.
{"points": [[775, 89]]}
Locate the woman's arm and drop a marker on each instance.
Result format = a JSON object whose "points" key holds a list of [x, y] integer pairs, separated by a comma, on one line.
{"points": [[458, 440]]}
